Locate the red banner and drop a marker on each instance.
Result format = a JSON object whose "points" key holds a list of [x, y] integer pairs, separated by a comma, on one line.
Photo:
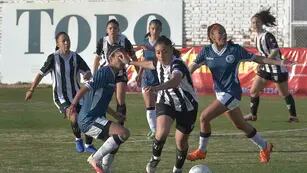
{"points": [[247, 70]]}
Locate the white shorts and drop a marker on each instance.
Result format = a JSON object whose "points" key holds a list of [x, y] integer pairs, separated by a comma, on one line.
{"points": [[98, 127], [227, 100]]}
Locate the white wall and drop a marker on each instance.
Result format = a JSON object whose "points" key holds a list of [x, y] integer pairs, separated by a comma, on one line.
{"points": [[235, 16]]}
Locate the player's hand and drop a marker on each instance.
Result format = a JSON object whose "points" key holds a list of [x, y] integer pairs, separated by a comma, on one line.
{"points": [[29, 94], [125, 59], [71, 113], [286, 62]]}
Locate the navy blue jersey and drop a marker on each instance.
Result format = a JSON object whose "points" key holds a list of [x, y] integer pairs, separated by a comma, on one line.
{"points": [[97, 100], [149, 77], [224, 65]]}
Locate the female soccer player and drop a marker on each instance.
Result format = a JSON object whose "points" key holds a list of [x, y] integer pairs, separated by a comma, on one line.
{"points": [[65, 67], [149, 77], [176, 100], [114, 38], [97, 95], [223, 58], [268, 47]]}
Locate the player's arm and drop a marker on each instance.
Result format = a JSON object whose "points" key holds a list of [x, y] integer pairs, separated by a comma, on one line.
{"points": [[143, 64], [271, 42], [131, 52], [34, 84], [98, 54], [84, 68], [193, 67], [198, 62], [46, 68], [96, 63], [71, 111], [264, 60], [172, 83]]}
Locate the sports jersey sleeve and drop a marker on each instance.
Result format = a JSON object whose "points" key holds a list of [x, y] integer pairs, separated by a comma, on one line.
{"points": [[82, 66], [48, 65], [98, 81], [99, 46], [179, 68], [271, 41], [244, 55], [201, 57]]}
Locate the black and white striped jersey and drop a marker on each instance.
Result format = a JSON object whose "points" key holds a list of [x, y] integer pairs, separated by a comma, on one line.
{"points": [[104, 45], [182, 98], [65, 74], [265, 43]]}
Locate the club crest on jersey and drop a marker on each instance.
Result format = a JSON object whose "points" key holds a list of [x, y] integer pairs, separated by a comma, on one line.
{"points": [[230, 59]]}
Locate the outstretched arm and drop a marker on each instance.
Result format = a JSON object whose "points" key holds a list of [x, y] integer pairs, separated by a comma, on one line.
{"points": [[96, 63], [34, 84], [71, 111], [172, 83], [271, 61], [193, 67], [143, 64]]}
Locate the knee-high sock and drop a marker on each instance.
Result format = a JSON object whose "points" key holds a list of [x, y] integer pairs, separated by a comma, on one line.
{"points": [[151, 118], [75, 129], [203, 140], [291, 105], [108, 146], [257, 139], [254, 103]]}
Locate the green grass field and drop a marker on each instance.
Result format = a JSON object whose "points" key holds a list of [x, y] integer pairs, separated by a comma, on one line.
{"points": [[34, 138]]}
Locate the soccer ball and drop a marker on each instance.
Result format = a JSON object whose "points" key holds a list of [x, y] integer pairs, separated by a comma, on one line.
{"points": [[200, 169]]}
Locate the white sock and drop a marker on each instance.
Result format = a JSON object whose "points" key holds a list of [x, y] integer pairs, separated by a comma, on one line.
{"points": [[87, 145], [176, 170], [203, 143], [151, 119], [259, 141], [107, 162], [108, 146]]}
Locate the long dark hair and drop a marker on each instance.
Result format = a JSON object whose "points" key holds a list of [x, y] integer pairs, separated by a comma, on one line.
{"points": [[57, 37], [154, 22], [114, 21], [266, 17], [164, 40], [212, 28]]}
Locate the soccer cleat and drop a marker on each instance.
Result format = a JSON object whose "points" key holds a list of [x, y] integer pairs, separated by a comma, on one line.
{"points": [[293, 119], [264, 155], [150, 135], [152, 165], [90, 149], [95, 165], [196, 155], [79, 145], [250, 117]]}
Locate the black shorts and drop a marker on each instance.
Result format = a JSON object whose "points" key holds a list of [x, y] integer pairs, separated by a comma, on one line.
{"points": [[185, 121], [121, 76], [274, 77]]}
